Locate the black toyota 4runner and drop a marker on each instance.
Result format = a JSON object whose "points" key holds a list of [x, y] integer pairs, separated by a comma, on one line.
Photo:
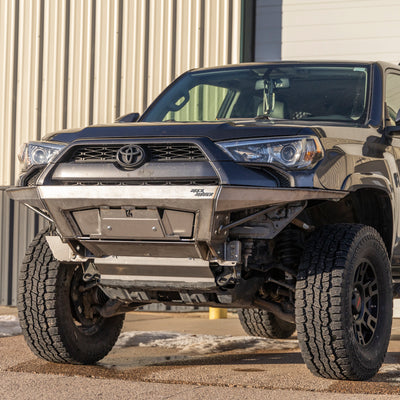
{"points": [[272, 188]]}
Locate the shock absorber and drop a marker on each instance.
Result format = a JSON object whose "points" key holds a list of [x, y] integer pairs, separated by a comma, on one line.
{"points": [[248, 245]]}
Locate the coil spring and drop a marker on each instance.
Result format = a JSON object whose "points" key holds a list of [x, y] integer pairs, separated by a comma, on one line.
{"points": [[288, 247]]}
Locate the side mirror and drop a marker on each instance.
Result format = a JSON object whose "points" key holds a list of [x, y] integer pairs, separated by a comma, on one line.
{"points": [[131, 117], [391, 131]]}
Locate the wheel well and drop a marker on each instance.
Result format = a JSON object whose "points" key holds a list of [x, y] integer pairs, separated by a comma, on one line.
{"points": [[365, 206]]}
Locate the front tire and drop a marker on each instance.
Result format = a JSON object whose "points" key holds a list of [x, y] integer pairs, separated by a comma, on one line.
{"points": [[344, 302], [56, 317], [258, 322]]}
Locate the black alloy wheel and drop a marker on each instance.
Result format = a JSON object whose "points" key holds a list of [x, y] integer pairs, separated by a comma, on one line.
{"points": [[344, 302], [365, 303]]}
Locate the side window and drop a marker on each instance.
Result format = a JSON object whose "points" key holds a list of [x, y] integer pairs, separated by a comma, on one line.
{"points": [[392, 96]]}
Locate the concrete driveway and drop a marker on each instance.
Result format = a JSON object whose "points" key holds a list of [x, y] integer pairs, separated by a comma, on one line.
{"points": [[150, 362]]}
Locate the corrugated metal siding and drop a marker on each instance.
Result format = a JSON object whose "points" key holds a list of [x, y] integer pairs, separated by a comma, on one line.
{"points": [[70, 63], [55, 66], [329, 29], [17, 228], [7, 99], [5, 247]]}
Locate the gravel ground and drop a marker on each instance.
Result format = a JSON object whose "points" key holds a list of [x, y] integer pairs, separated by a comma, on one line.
{"points": [[165, 373]]}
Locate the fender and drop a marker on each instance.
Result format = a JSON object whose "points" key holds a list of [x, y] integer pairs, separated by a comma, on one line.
{"points": [[358, 181]]}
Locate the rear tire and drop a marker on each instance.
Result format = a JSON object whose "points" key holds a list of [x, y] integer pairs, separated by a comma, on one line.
{"points": [[258, 322], [56, 318], [344, 302]]}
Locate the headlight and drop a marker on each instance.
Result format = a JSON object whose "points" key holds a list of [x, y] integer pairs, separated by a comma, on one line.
{"points": [[293, 152], [38, 153]]}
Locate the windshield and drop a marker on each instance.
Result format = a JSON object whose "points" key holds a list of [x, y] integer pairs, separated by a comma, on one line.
{"points": [[297, 92]]}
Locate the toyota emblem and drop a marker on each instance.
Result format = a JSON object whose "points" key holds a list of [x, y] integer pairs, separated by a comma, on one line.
{"points": [[131, 156]]}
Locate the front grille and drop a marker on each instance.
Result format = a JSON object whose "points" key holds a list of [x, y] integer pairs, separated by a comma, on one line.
{"points": [[157, 152], [175, 152], [95, 153]]}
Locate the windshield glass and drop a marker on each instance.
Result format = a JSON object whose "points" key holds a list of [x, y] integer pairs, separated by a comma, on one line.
{"points": [[297, 92]]}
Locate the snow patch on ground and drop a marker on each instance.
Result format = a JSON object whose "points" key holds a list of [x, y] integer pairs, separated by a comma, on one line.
{"points": [[201, 344], [391, 371], [9, 326], [182, 342]]}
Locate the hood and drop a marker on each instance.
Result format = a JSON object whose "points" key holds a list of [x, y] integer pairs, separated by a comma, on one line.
{"points": [[215, 131]]}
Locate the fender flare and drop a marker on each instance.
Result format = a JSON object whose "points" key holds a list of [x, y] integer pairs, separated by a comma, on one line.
{"points": [[358, 181]]}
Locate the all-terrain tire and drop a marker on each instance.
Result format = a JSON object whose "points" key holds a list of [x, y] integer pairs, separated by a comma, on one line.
{"points": [[52, 323], [344, 302], [258, 322]]}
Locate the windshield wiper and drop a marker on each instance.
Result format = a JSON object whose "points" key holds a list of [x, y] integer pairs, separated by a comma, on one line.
{"points": [[263, 117]]}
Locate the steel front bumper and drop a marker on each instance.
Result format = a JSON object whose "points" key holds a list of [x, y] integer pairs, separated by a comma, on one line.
{"points": [[149, 237], [168, 214]]}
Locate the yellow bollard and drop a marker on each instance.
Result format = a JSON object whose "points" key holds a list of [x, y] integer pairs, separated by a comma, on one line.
{"points": [[217, 313]]}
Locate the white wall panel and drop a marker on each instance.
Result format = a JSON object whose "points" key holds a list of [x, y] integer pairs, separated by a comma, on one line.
{"points": [[353, 29], [328, 29]]}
